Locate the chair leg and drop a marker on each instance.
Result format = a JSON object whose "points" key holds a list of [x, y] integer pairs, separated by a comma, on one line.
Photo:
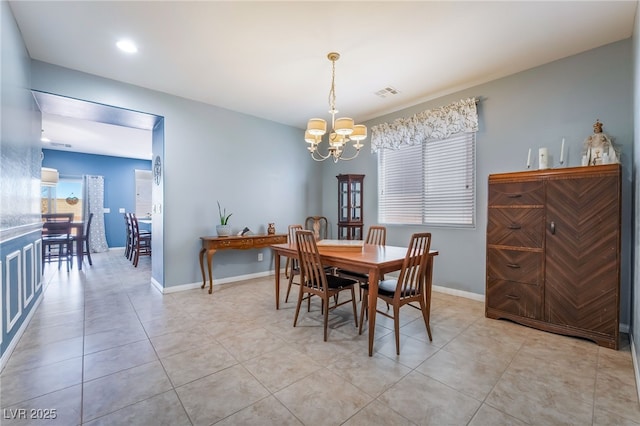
{"points": [[295, 318], [425, 315], [355, 309], [326, 317], [396, 326], [88, 253], [286, 268], [286, 299], [363, 308]]}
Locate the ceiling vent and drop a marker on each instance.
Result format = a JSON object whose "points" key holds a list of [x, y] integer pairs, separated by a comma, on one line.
{"points": [[387, 91], [60, 145]]}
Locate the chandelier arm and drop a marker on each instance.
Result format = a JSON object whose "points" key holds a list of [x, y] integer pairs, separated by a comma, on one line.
{"points": [[349, 158], [320, 157]]}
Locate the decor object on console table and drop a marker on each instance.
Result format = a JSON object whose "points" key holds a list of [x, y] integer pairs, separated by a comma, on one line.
{"points": [[224, 229], [350, 219], [553, 252], [598, 148], [271, 229]]}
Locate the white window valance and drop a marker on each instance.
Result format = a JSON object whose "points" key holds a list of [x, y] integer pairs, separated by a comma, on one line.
{"points": [[432, 124]]}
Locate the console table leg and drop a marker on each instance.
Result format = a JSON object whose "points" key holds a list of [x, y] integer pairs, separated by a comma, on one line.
{"points": [[277, 266], [210, 254], [204, 278]]}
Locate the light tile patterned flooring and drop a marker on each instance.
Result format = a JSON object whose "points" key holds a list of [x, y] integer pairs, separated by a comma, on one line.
{"points": [[105, 348]]}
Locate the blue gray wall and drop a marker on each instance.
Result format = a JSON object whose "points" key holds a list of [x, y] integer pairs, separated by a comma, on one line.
{"points": [[531, 109], [119, 183], [20, 226], [256, 168]]}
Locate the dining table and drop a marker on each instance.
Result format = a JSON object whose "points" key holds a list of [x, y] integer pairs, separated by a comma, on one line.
{"points": [[374, 260]]}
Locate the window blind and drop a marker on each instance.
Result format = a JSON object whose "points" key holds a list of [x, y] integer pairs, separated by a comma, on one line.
{"points": [[431, 183]]}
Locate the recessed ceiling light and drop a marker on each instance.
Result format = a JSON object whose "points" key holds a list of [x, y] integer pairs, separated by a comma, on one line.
{"points": [[127, 46]]}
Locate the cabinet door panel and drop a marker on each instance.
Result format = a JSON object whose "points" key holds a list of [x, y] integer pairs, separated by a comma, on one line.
{"points": [[515, 227], [515, 298], [581, 281]]}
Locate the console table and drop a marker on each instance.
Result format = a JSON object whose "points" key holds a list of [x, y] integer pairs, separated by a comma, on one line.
{"points": [[212, 244]]}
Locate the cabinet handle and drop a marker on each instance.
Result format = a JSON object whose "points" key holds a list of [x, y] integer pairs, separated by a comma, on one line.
{"points": [[512, 297], [553, 228], [514, 195], [513, 265], [514, 226]]}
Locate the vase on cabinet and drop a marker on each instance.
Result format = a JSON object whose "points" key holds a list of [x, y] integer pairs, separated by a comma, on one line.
{"points": [[223, 230]]}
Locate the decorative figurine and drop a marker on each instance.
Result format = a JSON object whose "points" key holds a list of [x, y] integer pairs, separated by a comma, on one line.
{"points": [[598, 148], [271, 229]]}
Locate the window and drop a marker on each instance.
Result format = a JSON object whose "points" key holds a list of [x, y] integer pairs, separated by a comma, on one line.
{"points": [[144, 183], [64, 197], [432, 183]]}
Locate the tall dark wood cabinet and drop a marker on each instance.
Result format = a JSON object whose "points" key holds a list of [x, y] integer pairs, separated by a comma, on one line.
{"points": [[350, 220], [553, 250]]}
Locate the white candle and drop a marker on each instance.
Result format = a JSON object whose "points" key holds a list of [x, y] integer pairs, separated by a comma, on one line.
{"points": [[529, 159], [562, 152]]}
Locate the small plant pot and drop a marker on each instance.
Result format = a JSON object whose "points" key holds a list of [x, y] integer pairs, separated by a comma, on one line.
{"points": [[223, 230]]}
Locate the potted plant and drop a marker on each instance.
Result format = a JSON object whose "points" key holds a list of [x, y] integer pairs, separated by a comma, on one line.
{"points": [[224, 229]]}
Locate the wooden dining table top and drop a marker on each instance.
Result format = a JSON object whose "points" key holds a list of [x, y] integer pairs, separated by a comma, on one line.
{"points": [[383, 258]]}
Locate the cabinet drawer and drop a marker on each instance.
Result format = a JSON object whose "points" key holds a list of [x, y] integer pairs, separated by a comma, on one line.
{"points": [[515, 227], [514, 265], [267, 241], [516, 194], [233, 243], [516, 298]]}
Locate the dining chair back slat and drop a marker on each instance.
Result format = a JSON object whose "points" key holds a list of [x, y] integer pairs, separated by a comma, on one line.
{"points": [[292, 267]]}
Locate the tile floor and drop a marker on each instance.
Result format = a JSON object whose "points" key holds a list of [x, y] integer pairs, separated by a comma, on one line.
{"points": [[106, 348]]}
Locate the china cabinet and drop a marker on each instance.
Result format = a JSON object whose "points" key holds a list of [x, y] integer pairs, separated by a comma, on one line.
{"points": [[350, 221]]}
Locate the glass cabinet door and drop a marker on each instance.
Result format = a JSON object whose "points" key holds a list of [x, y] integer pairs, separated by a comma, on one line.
{"points": [[350, 215], [343, 203]]}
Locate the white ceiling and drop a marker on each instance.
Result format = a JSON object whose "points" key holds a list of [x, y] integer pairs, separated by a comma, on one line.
{"points": [[268, 59]]}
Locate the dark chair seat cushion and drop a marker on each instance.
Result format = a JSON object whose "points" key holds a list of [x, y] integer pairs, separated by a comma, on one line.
{"points": [[336, 282], [386, 288]]}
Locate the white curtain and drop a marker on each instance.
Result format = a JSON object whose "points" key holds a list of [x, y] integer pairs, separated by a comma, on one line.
{"points": [[433, 124], [94, 203]]}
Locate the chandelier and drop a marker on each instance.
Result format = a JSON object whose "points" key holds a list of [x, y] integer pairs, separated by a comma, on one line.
{"points": [[342, 129]]}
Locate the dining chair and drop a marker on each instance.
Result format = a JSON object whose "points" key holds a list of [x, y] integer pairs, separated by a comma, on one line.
{"points": [[292, 266], [141, 241], [57, 217], [315, 281], [407, 288], [377, 235], [319, 225], [84, 239], [56, 240], [128, 248]]}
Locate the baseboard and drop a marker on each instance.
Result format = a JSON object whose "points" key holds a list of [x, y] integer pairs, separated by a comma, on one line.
{"points": [[216, 282], [16, 338], [459, 293]]}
